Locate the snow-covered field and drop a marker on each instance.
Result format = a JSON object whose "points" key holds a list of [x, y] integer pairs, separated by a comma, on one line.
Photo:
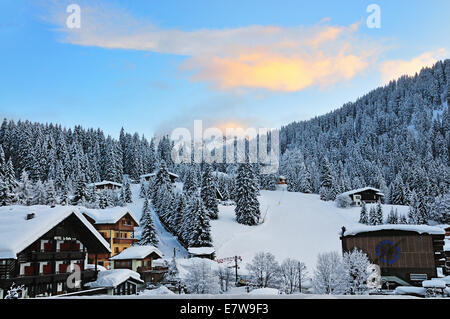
{"points": [[295, 225]]}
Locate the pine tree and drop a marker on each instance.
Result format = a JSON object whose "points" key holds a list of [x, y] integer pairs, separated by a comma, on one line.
{"points": [[200, 233], [363, 217], [326, 182], [379, 214], [125, 193], [25, 189], [39, 194], [392, 217], [208, 194], [51, 193], [79, 197], [148, 236], [373, 217], [247, 204]]}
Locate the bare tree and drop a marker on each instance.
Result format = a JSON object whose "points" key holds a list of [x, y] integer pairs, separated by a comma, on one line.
{"points": [[293, 274], [264, 269]]}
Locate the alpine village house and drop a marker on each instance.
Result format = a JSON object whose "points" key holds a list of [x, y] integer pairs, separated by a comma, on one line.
{"points": [[116, 225], [40, 247]]}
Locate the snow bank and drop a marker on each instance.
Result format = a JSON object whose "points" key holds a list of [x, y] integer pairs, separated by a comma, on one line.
{"points": [[137, 252], [158, 291], [435, 283], [421, 229], [17, 233], [409, 290], [264, 291], [113, 278]]}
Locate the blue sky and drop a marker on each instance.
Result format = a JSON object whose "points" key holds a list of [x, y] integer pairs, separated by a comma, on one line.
{"points": [[150, 66]]}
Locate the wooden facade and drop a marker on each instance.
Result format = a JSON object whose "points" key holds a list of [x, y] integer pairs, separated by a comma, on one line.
{"points": [[106, 185], [119, 235], [143, 266], [407, 255], [44, 266], [367, 195]]}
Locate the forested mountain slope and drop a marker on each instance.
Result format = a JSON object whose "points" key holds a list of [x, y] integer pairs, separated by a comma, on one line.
{"points": [[396, 138]]}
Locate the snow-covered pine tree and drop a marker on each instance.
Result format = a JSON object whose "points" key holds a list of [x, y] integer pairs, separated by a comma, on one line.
{"points": [[39, 194], [392, 217], [363, 216], [126, 191], [148, 235], [143, 189], [326, 182], [25, 189], [373, 218], [208, 194], [247, 204], [79, 197], [200, 229], [379, 214], [51, 193]]}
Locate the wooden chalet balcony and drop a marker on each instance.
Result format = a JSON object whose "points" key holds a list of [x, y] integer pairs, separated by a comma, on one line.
{"points": [[55, 255], [127, 241], [86, 276]]}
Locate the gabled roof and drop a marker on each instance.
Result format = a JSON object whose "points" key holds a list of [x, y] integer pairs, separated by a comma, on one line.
{"points": [[154, 174], [113, 278], [420, 229], [105, 183], [110, 215], [201, 250], [137, 252], [17, 233], [359, 190]]}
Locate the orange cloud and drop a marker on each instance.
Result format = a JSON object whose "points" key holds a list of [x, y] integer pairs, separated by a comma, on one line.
{"points": [[394, 69], [263, 57], [277, 72]]}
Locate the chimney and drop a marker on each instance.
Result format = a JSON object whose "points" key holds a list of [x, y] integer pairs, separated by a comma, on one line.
{"points": [[30, 216]]}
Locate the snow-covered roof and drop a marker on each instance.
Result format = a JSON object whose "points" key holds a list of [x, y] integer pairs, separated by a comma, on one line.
{"points": [[137, 252], [110, 215], [105, 183], [420, 229], [154, 174], [201, 250], [354, 191], [114, 277], [17, 233], [160, 263], [92, 266]]}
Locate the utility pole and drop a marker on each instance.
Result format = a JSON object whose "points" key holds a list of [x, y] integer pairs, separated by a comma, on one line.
{"points": [[236, 267], [299, 277]]}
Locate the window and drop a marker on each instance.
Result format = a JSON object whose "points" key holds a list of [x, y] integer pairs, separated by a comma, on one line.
{"points": [[116, 250]]}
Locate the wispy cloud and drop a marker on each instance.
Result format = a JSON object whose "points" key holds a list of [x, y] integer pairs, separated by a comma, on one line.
{"points": [[263, 57], [393, 69]]}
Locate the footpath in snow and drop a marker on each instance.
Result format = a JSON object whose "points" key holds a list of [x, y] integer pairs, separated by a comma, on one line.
{"points": [[167, 241]]}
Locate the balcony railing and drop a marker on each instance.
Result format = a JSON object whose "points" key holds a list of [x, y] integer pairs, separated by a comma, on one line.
{"points": [[124, 240]]}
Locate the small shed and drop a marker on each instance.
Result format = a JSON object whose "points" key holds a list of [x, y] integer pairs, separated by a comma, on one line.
{"points": [[118, 282], [282, 180], [136, 258], [202, 252], [365, 194], [105, 185]]}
